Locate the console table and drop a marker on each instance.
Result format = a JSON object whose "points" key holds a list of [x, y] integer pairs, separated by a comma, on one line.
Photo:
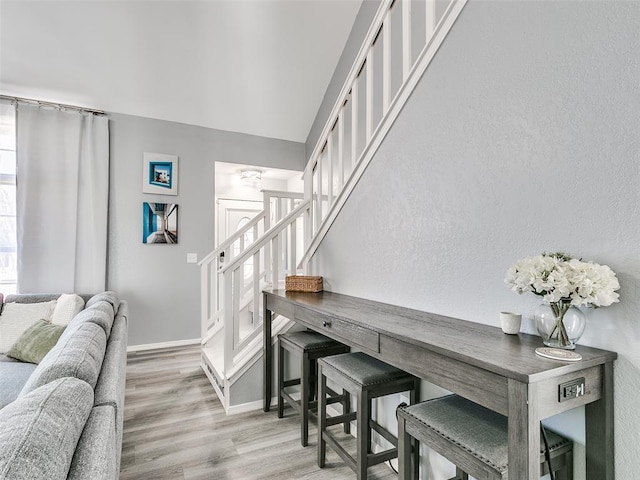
{"points": [[479, 362]]}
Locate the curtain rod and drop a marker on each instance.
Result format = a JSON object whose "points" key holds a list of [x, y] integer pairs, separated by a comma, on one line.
{"points": [[52, 104]]}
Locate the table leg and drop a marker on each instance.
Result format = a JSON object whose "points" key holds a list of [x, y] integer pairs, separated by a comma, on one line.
{"points": [[524, 432], [267, 360], [599, 430]]}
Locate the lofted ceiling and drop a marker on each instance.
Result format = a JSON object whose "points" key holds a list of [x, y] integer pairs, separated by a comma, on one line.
{"points": [[253, 66]]}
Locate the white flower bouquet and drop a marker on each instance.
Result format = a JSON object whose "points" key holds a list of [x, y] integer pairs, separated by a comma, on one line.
{"points": [[557, 277], [563, 281]]}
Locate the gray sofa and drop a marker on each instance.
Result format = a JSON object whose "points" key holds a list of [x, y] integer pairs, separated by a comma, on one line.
{"points": [[63, 418]]}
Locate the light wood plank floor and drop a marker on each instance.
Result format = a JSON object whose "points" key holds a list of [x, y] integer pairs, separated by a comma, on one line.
{"points": [[176, 428]]}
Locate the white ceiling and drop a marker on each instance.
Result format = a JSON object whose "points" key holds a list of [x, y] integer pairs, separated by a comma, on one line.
{"points": [[258, 67]]}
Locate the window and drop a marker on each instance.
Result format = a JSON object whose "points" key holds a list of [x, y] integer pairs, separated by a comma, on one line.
{"points": [[8, 243]]}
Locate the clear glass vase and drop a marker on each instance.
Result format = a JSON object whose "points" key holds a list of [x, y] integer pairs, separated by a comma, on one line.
{"points": [[559, 324]]}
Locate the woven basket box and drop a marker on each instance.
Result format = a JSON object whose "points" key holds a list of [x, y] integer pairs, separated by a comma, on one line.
{"points": [[302, 283]]}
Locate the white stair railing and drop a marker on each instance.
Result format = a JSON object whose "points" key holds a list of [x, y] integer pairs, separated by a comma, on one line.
{"points": [[277, 205], [403, 39], [232, 283], [400, 44], [280, 244]]}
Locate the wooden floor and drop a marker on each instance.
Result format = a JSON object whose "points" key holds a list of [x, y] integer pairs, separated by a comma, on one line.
{"points": [[176, 428]]}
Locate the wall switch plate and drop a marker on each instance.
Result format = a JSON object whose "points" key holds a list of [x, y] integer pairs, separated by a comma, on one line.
{"points": [[192, 258], [572, 389]]}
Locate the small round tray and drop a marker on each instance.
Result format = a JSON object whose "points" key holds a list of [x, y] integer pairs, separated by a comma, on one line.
{"points": [[558, 354]]}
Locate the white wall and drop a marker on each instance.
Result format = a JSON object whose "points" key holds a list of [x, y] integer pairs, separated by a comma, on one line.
{"points": [[163, 291], [522, 137]]}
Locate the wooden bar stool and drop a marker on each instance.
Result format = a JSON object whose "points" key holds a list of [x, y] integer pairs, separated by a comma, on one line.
{"points": [[365, 378], [472, 437], [309, 346]]}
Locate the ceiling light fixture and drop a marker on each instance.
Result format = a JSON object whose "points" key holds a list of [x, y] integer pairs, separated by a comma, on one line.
{"points": [[250, 176]]}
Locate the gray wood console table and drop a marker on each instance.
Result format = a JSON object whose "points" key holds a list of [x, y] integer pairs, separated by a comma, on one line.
{"points": [[477, 361]]}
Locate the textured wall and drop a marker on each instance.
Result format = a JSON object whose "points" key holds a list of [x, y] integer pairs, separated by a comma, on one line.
{"points": [[162, 289], [521, 137]]}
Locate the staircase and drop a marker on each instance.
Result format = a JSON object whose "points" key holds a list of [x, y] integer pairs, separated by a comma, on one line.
{"points": [[401, 42]]}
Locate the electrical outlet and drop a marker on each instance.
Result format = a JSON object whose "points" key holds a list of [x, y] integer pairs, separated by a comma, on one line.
{"points": [[192, 258], [573, 389]]}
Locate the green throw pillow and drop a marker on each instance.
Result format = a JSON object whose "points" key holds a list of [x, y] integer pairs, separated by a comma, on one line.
{"points": [[36, 342]]}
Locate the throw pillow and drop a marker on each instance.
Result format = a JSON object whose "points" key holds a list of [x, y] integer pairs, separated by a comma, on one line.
{"points": [[67, 307], [35, 342], [39, 431], [18, 317]]}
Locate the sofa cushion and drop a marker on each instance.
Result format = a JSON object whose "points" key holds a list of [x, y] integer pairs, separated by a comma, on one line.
{"points": [[14, 375], [77, 355], [39, 431], [36, 342], [18, 317], [99, 313], [67, 307], [96, 450], [107, 296]]}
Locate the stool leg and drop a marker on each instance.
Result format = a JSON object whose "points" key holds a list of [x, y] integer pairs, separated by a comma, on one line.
{"points": [[566, 472], [304, 400], [404, 451], [461, 474], [346, 408], [313, 375], [414, 397], [322, 416], [280, 379], [364, 434]]}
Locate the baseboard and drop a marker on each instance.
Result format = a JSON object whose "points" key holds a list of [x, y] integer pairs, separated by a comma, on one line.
{"points": [[250, 406], [158, 346]]}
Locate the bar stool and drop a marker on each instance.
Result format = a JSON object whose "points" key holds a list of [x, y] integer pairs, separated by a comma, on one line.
{"points": [[472, 437], [309, 346], [365, 378]]}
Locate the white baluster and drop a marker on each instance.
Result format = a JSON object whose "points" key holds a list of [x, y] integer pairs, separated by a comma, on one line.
{"points": [[319, 192], [386, 62], [330, 172], [238, 276], [341, 150], [354, 123], [256, 288], [431, 18], [369, 96], [406, 38], [228, 321]]}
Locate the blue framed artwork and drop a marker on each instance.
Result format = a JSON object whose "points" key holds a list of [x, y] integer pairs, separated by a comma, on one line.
{"points": [[159, 223], [160, 174]]}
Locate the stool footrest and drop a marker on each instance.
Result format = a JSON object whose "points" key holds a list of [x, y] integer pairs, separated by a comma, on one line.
{"points": [[386, 434], [348, 417], [291, 383], [339, 449]]}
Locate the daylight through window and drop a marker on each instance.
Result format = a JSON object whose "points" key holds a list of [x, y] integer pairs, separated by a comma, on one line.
{"points": [[8, 244]]}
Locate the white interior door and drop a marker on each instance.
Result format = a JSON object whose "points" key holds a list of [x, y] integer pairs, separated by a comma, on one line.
{"points": [[231, 212]]}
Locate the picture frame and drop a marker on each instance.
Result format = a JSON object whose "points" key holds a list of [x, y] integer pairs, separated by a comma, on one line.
{"points": [[159, 223], [159, 173]]}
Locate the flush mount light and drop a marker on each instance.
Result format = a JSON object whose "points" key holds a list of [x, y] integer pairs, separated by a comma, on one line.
{"points": [[250, 176]]}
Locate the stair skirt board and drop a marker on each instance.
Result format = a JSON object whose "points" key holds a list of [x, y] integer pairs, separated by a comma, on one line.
{"points": [[251, 367]]}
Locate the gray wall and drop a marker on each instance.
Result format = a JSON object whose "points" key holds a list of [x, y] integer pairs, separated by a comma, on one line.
{"points": [[163, 291], [521, 137]]}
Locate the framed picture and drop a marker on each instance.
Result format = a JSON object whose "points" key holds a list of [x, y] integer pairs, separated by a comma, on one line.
{"points": [[159, 222], [160, 174]]}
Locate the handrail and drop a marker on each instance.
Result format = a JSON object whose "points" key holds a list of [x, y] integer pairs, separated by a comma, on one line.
{"points": [[412, 72], [249, 225], [267, 237], [233, 238], [346, 87]]}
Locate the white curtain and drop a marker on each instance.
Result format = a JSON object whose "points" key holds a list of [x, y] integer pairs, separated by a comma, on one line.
{"points": [[62, 200]]}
